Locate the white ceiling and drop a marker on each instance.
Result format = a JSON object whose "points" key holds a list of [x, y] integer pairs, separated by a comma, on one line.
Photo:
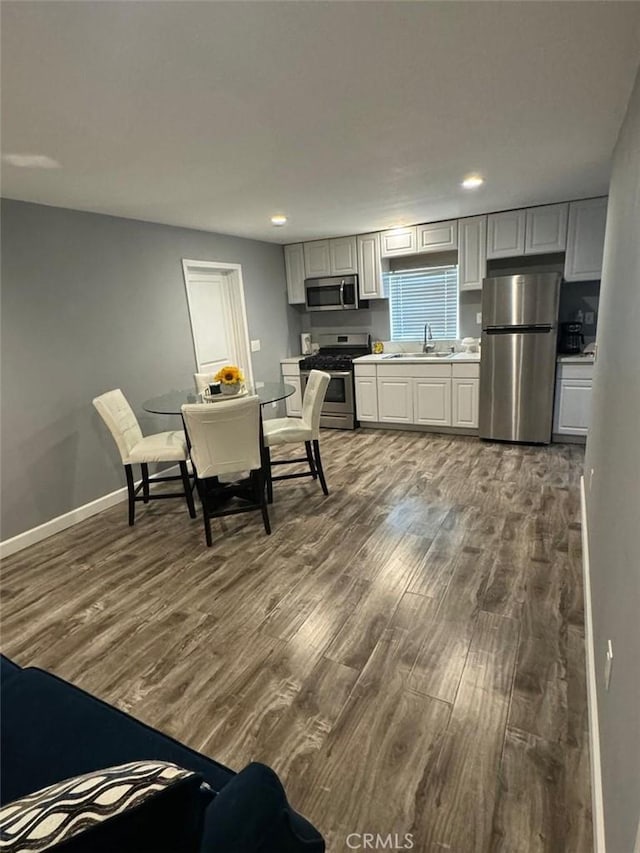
{"points": [[345, 116]]}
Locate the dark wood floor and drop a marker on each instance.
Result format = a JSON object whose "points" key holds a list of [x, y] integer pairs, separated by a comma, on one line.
{"points": [[407, 653]]}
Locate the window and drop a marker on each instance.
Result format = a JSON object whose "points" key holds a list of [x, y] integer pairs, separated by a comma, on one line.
{"points": [[422, 296]]}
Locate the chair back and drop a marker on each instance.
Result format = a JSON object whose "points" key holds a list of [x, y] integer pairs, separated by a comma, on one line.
{"points": [[224, 436], [118, 415], [314, 394], [202, 381]]}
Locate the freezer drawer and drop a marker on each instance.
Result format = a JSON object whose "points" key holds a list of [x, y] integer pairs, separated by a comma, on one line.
{"points": [[517, 380], [520, 300]]}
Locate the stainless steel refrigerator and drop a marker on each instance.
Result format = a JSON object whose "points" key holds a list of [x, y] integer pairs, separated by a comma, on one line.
{"points": [[518, 363]]}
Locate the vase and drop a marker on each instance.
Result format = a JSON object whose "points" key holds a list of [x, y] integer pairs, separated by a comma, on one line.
{"points": [[229, 390]]}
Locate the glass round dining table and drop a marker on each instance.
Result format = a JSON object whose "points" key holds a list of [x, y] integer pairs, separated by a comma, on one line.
{"points": [[172, 402]]}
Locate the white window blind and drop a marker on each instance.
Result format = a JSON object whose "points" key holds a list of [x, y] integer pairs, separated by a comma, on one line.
{"points": [[423, 296]]}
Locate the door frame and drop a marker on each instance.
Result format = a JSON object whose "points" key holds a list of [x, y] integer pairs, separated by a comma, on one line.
{"points": [[235, 303]]}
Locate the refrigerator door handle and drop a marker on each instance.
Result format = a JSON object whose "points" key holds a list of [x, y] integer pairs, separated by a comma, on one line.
{"points": [[515, 330]]}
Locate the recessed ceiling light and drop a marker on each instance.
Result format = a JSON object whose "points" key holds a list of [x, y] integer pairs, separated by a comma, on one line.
{"points": [[473, 182], [31, 161], [278, 220]]}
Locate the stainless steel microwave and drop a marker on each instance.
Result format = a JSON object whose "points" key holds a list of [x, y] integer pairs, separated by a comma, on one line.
{"points": [[338, 293]]}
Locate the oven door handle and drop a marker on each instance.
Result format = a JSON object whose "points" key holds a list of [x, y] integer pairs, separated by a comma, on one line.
{"points": [[339, 372], [342, 293]]}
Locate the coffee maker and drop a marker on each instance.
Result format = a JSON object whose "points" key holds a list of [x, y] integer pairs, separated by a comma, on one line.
{"points": [[571, 340]]}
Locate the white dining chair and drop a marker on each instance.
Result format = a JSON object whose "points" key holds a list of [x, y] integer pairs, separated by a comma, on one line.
{"points": [[280, 431], [225, 439], [135, 448], [202, 381]]}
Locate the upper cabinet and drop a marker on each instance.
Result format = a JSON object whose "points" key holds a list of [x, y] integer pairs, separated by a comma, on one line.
{"points": [[472, 252], [343, 256], [330, 257], [317, 259], [546, 229], [585, 239], [534, 231], [438, 237], [505, 234], [399, 241], [370, 278], [294, 268]]}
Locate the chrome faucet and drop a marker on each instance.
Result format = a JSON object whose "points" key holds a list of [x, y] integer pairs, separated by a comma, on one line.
{"points": [[428, 334]]}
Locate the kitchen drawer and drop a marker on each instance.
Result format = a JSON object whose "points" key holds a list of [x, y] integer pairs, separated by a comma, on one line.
{"points": [[364, 369], [416, 371], [575, 371], [290, 369], [467, 370]]}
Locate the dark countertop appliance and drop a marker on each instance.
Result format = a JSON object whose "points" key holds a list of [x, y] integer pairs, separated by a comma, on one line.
{"points": [[518, 365], [336, 356], [571, 341]]}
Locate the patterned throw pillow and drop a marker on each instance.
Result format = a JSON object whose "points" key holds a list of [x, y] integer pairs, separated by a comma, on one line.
{"points": [[49, 817]]}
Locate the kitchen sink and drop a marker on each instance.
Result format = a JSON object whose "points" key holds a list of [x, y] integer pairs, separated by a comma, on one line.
{"points": [[419, 355]]}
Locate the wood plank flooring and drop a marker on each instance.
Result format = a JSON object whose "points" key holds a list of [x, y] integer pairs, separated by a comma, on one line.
{"points": [[407, 653]]}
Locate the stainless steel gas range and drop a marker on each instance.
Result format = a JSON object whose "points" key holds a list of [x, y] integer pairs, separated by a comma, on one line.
{"points": [[336, 356]]}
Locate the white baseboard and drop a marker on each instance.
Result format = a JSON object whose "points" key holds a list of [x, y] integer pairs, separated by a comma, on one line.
{"points": [[597, 805], [68, 519]]}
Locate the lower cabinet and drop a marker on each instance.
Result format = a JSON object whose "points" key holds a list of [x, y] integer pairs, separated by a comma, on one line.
{"points": [[291, 375], [427, 394], [464, 409], [366, 396], [432, 401], [572, 412], [395, 400]]}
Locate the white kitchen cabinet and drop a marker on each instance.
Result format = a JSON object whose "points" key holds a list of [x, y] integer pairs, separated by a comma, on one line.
{"points": [[395, 399], [317, 259], [370, 282], [572, 411], [472, 252], [366, 393], [432, 401], [585, 239], [437, 237], [546, 229], [291, 375], [505, 234], [399, 241], [343, 256], [464, 402], [294, 269]]}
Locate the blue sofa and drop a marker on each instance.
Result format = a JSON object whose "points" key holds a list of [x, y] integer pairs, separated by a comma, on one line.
{"points": [[51, 730]]}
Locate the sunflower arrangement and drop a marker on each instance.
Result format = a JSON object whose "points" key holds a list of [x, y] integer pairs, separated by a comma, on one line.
{"points": [[229, 375]]}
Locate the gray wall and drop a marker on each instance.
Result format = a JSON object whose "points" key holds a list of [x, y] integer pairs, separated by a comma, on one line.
{"points": [[93, 302], [613, 500]]}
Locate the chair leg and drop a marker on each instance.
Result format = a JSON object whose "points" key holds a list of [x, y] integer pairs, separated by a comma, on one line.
{"points": [[267, 474], [312, 464], [263, 502], [188, 494], [132, 493], [145, 482], [318, 459]]}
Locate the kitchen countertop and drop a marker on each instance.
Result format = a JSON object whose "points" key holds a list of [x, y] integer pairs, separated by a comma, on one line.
{"points": [[383, 358], [576, 359]]}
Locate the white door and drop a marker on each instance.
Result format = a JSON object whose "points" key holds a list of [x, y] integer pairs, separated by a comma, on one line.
{"points": [[395, 400], [317, 259], [574, 406], [472, 252], [399, 241], [218, 319], [370, 279], [505, 234], [432, 402], [546, 229], [294, 267], [366, 398], [585, 239], [438, 236], [464, 407], [344, 257]]}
